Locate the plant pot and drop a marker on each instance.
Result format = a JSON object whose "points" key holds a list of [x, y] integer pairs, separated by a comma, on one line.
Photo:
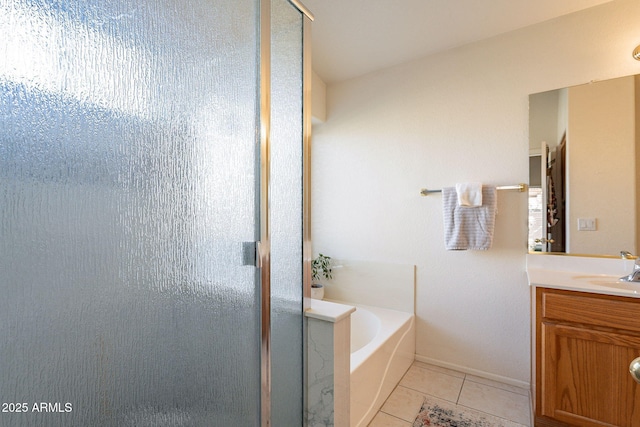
{"points": [[317, 291]]}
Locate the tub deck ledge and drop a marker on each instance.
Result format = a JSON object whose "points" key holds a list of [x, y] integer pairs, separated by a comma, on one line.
{"points": [[329, 311]]}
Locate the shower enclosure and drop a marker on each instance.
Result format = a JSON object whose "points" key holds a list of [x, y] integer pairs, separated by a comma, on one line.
{"points": [[151, 212]]}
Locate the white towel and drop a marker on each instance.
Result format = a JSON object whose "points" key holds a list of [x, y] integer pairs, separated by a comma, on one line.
{"points": [[469, 194], [469, 227]]}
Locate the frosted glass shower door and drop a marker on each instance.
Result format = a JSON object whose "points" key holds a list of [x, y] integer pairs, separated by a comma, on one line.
{"points": [[286, 199], [128, 182]]}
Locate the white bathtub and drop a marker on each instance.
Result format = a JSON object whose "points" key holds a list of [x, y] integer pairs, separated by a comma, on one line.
{"points": [[382, 349]]}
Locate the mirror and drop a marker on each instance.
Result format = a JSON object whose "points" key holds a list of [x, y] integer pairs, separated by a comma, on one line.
{"points": [[584, 145]]}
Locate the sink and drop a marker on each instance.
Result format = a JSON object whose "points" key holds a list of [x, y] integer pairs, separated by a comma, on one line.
{"points": [[608, 281], [625, 286]]}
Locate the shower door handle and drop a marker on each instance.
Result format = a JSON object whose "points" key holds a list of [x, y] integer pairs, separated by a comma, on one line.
{"points": [[253, 253], [250, 254]]}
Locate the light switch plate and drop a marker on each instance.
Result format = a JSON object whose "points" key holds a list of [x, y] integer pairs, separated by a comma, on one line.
{"points": [[586, 224]]}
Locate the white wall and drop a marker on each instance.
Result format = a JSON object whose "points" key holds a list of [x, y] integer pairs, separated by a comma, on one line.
{"points": [[461, 115], [563, 114], [543, 121], [601, 147], [318, 99]]}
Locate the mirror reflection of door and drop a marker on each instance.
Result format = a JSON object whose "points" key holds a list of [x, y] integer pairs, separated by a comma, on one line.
{"points": [[556, 198], [537, 210], [544, 172]]}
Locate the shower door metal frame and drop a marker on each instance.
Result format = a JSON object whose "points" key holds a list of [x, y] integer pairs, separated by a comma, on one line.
{"points": [[264, 244], [307, 249], [306, 150], [263, 255]]}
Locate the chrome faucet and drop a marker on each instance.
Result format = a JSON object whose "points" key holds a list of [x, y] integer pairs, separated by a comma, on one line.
{"points": [[635, 275]]}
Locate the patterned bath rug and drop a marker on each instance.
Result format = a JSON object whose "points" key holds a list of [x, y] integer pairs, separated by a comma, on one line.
{"points": [[445, 414]]}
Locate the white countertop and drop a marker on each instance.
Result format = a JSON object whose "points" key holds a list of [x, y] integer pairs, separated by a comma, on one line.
{"points": [[584, 274]]}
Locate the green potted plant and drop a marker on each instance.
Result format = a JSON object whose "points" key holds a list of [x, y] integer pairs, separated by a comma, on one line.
{"points": [[320, 268]]}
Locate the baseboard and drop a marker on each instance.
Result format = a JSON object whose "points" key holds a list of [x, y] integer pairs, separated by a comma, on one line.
{"points": [[476, 372]]}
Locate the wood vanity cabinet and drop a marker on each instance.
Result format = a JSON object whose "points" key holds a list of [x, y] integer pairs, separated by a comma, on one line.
{"points": [[584, 345]]}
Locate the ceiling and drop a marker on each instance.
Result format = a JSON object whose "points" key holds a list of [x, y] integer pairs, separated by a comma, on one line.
{"points": [[354, 37]]}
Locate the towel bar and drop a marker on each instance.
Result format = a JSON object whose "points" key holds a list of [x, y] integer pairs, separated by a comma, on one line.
{"points": [[520, 187]]}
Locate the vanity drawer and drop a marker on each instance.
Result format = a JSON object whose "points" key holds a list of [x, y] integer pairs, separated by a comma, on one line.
{"points": [[591, 309]]}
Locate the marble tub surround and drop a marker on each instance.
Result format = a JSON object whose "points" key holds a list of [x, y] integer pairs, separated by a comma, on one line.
{"points": [[328, 363], [373, 283], [576, 273]]}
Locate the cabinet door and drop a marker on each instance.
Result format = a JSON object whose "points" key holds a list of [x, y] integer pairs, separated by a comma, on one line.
{"points": [[586, 378]]}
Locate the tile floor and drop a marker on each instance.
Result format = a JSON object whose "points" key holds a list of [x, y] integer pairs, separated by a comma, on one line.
{"points": [[509, 404]]}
